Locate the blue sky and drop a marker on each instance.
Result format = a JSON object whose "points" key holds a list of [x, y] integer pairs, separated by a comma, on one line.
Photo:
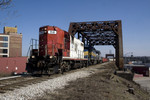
{"points": [[29, 15]]}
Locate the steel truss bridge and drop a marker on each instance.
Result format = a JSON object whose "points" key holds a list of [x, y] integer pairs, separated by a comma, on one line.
{"points": [[101, 33]]}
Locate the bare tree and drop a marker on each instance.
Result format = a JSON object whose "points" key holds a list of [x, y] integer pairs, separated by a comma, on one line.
{"points": [[4, 14], [4, 3]]}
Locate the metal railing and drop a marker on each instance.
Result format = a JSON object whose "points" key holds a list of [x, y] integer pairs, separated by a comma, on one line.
{"points": [[33, 45]]}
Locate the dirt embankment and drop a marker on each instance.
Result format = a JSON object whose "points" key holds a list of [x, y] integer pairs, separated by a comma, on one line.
{"points": [[102, 85]]}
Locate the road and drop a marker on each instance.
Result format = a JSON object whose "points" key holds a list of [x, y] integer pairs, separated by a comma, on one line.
{"points": [[144, 82]]}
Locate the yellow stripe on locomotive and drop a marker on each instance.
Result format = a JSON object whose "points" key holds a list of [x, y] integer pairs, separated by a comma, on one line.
{"points": [[91, 54]]}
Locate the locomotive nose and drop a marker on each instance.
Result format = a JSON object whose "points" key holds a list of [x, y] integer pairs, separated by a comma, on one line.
{"points": [[40, 64]]}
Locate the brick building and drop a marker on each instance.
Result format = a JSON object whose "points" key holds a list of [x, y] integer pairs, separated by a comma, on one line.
{"points": [[11, 60], [10, 43]]}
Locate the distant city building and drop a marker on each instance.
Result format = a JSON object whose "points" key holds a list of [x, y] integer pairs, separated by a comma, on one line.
{"points": [[10, 43]]}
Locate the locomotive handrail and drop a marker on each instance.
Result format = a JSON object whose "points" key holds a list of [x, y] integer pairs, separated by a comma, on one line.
{"points": [[33, 44], [28, 51]]}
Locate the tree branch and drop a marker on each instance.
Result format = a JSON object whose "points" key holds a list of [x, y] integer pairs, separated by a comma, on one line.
{"points": [[4, 3]]}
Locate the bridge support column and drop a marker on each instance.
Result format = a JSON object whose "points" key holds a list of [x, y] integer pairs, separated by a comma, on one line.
{"points": [[119, 48]]}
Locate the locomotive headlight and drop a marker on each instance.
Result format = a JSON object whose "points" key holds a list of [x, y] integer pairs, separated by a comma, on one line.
{"points": [[32, 56], [50, 56]]}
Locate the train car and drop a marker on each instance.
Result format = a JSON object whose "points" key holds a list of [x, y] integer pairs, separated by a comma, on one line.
{"points": [[58, 51], [105, 60], [92, 55], [98, 57]]}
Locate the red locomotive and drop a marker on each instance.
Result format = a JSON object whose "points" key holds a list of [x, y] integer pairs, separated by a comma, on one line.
{"points": [[53, 41], [58, 51]]}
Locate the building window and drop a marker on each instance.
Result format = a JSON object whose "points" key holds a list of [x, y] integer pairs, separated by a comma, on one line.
{"points": [[5, 50], [5, 44], [4, 55], [5, 38]]}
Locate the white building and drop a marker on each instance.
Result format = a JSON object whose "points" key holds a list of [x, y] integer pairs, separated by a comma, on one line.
{"points": [[4, 45]]}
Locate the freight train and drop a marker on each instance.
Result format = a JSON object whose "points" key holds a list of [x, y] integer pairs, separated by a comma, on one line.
{"points": [[58, 52]]}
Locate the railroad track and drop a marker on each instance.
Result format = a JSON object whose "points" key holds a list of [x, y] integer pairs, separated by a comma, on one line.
{"points": [[18, 82], [11, 84], [15, 83]]}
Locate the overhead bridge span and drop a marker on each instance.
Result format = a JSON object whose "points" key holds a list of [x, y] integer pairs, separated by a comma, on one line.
{"points": [[101, 33]]}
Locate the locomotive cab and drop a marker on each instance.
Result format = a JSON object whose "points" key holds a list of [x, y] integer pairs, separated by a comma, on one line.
{"points": [[52, 42]]}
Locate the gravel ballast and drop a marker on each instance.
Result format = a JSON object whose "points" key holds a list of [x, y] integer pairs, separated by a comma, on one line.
{"points": [[38, 89]]}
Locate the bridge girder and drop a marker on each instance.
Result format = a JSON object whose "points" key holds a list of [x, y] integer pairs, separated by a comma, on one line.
{"points": [[101, 33]]}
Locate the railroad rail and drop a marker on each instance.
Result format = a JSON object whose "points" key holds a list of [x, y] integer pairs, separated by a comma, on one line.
{"points": [[9, 84], [4, 78], [12, 83]]}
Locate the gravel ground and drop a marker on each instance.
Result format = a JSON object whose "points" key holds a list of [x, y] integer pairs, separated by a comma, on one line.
{"points": [[34, 90], [93, 83], [101, 85]]}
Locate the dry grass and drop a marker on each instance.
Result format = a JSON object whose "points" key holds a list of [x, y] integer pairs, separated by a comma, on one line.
{"points": [[100, 86], [4, 75]]}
